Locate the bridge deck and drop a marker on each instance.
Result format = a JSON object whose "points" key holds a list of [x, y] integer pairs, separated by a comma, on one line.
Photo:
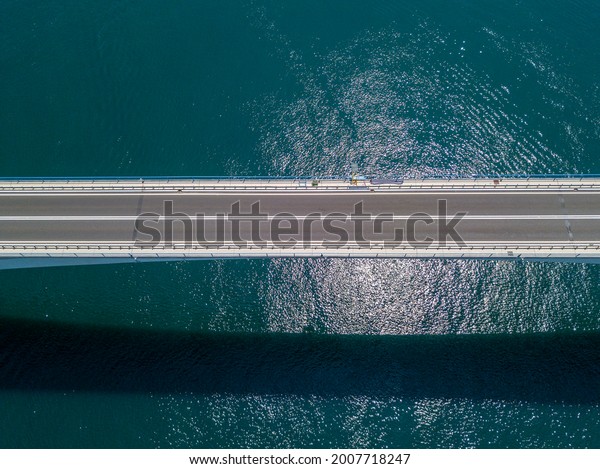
{"points": [[535, 220]]}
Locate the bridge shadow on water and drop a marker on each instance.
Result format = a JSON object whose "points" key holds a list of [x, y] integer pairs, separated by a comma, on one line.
{"points": [[542, 368]]}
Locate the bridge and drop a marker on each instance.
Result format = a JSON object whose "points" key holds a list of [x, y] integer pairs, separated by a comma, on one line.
{"points": [[45, 222]]}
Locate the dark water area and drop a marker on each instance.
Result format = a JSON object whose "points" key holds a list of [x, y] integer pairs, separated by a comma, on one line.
{"points": [[300, 352], [546, 368]]}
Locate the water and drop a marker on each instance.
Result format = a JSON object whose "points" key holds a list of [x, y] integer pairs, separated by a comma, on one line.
{"points": [[300, 353]]}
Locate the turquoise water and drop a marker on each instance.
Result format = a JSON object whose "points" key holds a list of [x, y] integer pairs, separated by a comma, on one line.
{"points": [[300, 353]]}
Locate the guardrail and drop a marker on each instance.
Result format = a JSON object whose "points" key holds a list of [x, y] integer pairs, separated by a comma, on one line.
{"points": [[181, 185], [587, 253], [130, 247]]}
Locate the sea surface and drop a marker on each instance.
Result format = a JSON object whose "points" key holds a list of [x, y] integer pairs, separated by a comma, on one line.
{"points": [[300, 353]]}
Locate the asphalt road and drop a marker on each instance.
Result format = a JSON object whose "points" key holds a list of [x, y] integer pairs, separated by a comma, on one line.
{"points": [[488, 217]]}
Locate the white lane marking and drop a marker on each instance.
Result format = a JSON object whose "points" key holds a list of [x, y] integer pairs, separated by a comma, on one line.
{"points": [[34, 218]]}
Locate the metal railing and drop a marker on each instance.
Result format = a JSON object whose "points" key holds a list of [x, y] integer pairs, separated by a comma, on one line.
{"points": [[285, 184], [207, 247]]}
